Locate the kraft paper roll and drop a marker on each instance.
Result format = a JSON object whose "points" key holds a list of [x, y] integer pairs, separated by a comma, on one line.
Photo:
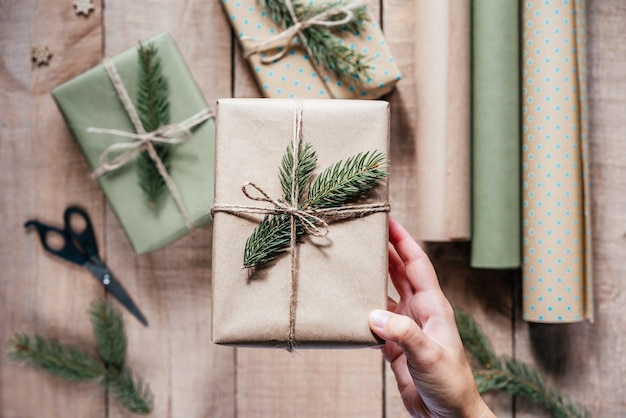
{"points": [[557, 256], [442, 76], [496, 206]]}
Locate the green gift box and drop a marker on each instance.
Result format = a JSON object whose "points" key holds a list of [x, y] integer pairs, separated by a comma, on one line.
{"points": [[91, 101]]}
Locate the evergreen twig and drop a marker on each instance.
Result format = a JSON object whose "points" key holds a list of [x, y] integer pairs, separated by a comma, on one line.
{"points": [[327, 50], [153, 110], [339, 184], [108, 328], [132, 392], [58, 359], [511, 375], [73, 364]]}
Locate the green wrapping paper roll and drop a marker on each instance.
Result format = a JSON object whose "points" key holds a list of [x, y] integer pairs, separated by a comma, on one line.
{"points": [[90, 101], [557, 282], [496, 217]]}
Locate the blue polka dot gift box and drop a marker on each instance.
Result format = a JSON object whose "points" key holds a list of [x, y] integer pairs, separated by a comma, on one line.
{"points": [[280, 59]]}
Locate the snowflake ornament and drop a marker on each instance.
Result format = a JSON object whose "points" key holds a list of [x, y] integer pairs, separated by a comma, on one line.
{"points": [[41, 55], [84, 7]]}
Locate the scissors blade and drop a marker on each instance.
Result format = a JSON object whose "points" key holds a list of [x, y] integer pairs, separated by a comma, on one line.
{"points": [[115, 288]]}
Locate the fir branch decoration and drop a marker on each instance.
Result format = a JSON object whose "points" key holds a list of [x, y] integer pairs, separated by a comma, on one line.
{"points": [[339, 184], [511, 375], [153, 110], [327, 50], [108, 328], [132, 392], [61, 360], [74, 364]]}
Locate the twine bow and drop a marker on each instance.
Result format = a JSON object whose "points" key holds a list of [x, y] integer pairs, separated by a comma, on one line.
{"points": [[313, 221], [324, 18], [117, 155]]}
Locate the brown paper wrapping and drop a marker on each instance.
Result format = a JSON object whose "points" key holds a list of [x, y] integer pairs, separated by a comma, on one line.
{"points": [[442, 76], [341, 277]]}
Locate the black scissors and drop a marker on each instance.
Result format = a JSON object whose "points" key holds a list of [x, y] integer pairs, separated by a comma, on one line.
{"points": [[81, 248]]}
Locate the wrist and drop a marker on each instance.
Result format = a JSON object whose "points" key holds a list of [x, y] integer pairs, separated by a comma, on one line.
{"points": [[477, 409]]}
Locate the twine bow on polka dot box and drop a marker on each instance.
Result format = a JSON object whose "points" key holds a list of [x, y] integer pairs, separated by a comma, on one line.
{"points": [[284, 40], [557, 282]]}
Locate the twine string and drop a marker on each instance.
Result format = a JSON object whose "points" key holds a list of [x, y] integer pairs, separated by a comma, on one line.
{"points": [[313, 221], [324, 18], [117, 155]]}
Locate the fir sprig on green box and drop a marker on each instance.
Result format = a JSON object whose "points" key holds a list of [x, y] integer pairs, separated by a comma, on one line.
{"points": [[153, 109]]}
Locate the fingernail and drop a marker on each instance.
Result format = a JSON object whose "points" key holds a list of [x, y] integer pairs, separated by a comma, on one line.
{"points": [[379, 318]]}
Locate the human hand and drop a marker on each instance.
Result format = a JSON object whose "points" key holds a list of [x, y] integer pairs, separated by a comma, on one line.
{"points": [[422, 341]]}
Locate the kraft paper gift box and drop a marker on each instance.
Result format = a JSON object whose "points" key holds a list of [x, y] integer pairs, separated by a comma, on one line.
{"points": [[91, 101], [341, 276], [295, 74]]}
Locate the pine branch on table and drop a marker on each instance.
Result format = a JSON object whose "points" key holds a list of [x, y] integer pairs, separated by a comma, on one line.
{"points": [[132, 392], [510, 375], [73, 364], [58, 359], [108, 329]]}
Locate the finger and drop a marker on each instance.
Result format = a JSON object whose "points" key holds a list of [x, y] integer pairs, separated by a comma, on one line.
{"points": [[391, 304], [419, 349], [419, 270], [398, 273]]}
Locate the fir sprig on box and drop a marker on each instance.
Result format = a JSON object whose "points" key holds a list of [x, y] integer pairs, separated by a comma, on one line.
{"points": [[72, 363], [322, 41], [153, 109], [341, 183]]}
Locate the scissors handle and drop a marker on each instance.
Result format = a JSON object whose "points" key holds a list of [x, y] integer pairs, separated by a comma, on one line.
{"points": [[78, 246], [85, 238]]}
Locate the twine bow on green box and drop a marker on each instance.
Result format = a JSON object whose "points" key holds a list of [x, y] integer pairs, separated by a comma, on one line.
{"points": [[120, 154], [307, 207]]}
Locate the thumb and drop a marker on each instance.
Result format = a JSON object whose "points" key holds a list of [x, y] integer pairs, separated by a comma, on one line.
{"points": [[419, 349]]}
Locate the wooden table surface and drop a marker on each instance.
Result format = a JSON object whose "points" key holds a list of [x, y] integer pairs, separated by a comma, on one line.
{"points": [[42, 171]]}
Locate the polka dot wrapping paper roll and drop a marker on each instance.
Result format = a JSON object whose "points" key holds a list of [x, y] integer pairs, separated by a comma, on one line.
{"points": [[295, 74], [557, 284]]}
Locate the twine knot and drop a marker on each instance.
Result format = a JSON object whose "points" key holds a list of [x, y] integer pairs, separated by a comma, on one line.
{"points": [[117, 155], [313, 221], [327, 18]]}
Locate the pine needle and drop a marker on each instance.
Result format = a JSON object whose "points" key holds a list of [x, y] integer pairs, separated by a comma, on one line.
{"points": [[307, 160], [270, 239], [345, 181], [327, 50], [341, 183], [58, 359], [153, 110], [134, 394], [108, 328], [510, 375]]}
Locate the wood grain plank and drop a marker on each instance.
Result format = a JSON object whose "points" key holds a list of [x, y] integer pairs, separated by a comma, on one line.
{"points": [[486, 294], [43, 172], [585, 360], [189, 376], [313, 383]]}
